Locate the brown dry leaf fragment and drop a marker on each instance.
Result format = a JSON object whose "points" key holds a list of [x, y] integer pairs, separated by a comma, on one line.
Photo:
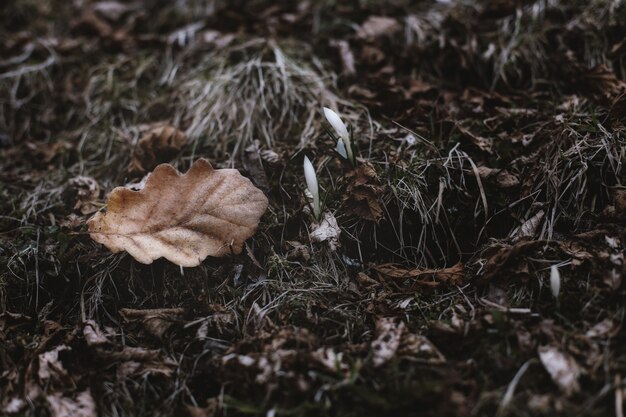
{"points": [[507, 257], [50, 366], [93, 335], [377, 26], [602, 329], [216, 39], [183, 218], [271, 157], [484, 144], [386, 345], [90, 23], [254, 166], [561, 367], [47, 152], [327, 230], [156, 321], [113, 10], [159, 144], [507, 180], [529, 227], [212, 409], [602, 81], [361, 197], [454, 275], [298, 251], [345, 53], [85, 192], [330, 360], [419, 348], [82, 406]]}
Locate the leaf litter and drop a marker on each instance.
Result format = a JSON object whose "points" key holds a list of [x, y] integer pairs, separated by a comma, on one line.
{"points": [[489, 141]]}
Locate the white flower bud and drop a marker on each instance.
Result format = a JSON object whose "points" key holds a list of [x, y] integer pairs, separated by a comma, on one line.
{"points": [[311, 184], [336, 122], [555, 281], [345, 149]]}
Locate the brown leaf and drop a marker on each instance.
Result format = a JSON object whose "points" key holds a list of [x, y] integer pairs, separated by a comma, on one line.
{"points": [[377, 26], [112, 10], [50, 366], [602, 81], [529, 227], [506, 256], [155, 321], [484, 144], [85, 192], [561, 367], [385, 346], [361, 197], [507, 180], [254, 166], [345, 53], [82, 406], [47, 152], [183, 218], [93, 335], [327, 230], [159, 144], [454, 275]]}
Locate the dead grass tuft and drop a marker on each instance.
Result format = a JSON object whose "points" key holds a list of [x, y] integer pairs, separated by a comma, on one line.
{"points": [[256, 90]]}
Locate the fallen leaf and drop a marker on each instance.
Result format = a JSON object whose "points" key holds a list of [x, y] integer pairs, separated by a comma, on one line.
{"points": [[93, 335], [15, 406], [50, 367], [85, 192], [345, 53], [530, 226], [82, 406], [332, 361], [156, 321], [327, 230], [47, 152], [362, 191], [604, 328], [254, 166], [485, 144], [602, 81], [90, 23], [112, 10], [418, 347], [562, 368], [453, 275], [298, 251], [377, 26], [211, 410], [507, 180], [159, 144], [217, 39], [506, 257], [183, 218], [385, 346]]}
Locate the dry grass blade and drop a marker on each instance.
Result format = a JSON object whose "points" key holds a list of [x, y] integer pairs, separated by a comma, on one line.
{"points": [[260, 97]]}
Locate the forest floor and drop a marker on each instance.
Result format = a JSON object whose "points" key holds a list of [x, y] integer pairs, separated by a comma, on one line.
{"points": [[490, 138]]}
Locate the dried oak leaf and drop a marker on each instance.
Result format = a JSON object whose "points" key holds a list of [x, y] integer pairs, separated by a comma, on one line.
{"points": [[454, 275], [159, 144], [362, 191], [156, 321], [183, 218]]}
